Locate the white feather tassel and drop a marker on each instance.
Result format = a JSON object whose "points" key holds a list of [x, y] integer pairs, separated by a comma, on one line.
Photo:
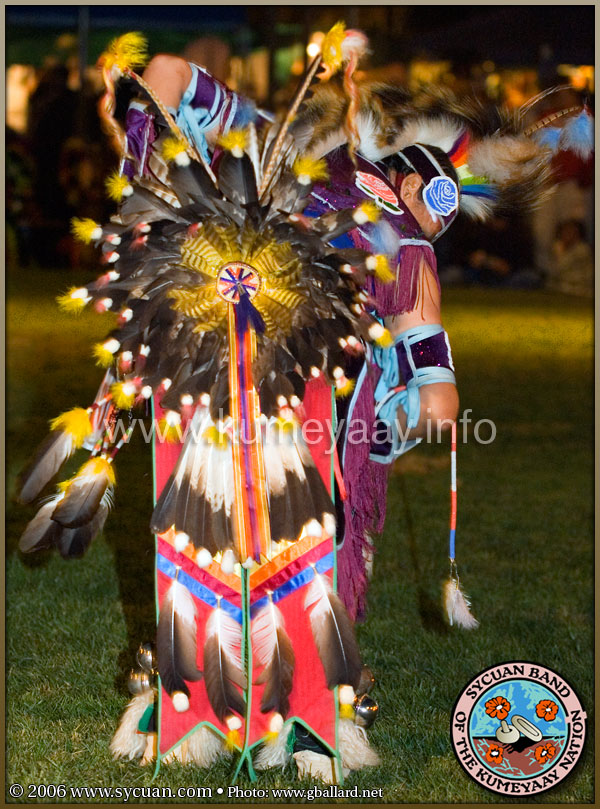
{"points": [[127, 742], [203, 748], [354, 746], [457, 605], [274, 753]]}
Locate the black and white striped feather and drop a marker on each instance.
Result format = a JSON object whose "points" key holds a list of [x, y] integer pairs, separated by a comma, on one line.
{"points": [[273, 650], [333, 634], [176, 648], [198, 497], [223, 670]]}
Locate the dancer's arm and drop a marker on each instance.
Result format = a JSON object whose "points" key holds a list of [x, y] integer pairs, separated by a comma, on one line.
{"points": [[439, 400], [168, 76]]}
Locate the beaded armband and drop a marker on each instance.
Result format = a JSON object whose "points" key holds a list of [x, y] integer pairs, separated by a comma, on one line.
{"points": [[420, 356]]}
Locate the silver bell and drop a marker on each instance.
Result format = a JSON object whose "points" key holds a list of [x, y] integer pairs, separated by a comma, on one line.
{"points": [[366, 710], [139, 682], [145, 657]]}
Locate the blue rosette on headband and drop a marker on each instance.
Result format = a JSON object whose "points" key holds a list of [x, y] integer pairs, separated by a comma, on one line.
{"points": [[440, 196]]}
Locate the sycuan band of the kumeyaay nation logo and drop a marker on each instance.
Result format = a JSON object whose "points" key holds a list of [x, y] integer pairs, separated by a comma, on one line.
{"points": [[518, 728]]}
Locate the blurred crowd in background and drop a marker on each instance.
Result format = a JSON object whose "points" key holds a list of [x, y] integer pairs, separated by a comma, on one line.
{"points": [[57, 156]]}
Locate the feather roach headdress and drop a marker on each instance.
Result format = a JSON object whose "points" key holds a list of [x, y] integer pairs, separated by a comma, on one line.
{"points": [[497, 160]]}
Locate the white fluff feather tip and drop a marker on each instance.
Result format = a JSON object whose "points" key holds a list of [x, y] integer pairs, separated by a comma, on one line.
{"points": [[457, 606], [354, 45]]}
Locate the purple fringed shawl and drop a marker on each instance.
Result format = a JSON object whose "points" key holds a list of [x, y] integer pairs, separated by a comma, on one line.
{"points": [[397, 234], [402, 295], [364, 507]]}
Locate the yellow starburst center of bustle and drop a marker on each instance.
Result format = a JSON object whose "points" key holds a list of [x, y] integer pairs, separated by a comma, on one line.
{"points": [[232, 261]]}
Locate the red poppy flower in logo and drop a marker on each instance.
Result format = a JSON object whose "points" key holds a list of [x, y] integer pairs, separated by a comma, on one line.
{"points": [[518, 728]]}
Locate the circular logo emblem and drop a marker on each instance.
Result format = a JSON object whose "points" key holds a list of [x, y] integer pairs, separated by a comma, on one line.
{"points": [[236, 279], [518, 729], [440, 196]]}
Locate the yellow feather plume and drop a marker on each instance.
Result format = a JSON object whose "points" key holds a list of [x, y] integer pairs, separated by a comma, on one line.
{"points": [[117, 186], [233, 740], [171, 433], [344, 387], [214, 436], [311, 169], [385, 340], [172, 148], [234, 141], [346, 711], [104, 356], [370, 210], [286, 425], [85, 229], [98, 466], [123, 394], [76, 423], [383, 271], [380, 335], [125, 52], [74, 300], [331, 48]]}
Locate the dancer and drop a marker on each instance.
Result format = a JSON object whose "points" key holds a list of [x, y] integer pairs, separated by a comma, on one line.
{"points": [[239, 313]]}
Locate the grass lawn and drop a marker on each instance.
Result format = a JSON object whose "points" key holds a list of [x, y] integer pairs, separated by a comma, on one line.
{"points": [[524, 361]]}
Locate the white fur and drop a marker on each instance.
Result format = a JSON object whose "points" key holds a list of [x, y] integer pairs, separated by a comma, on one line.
{"points": [[476, 207], [505, 159], [441, 132], [127, 742], [205, 747], [369, 128], [354, 746], [275, 753]]}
